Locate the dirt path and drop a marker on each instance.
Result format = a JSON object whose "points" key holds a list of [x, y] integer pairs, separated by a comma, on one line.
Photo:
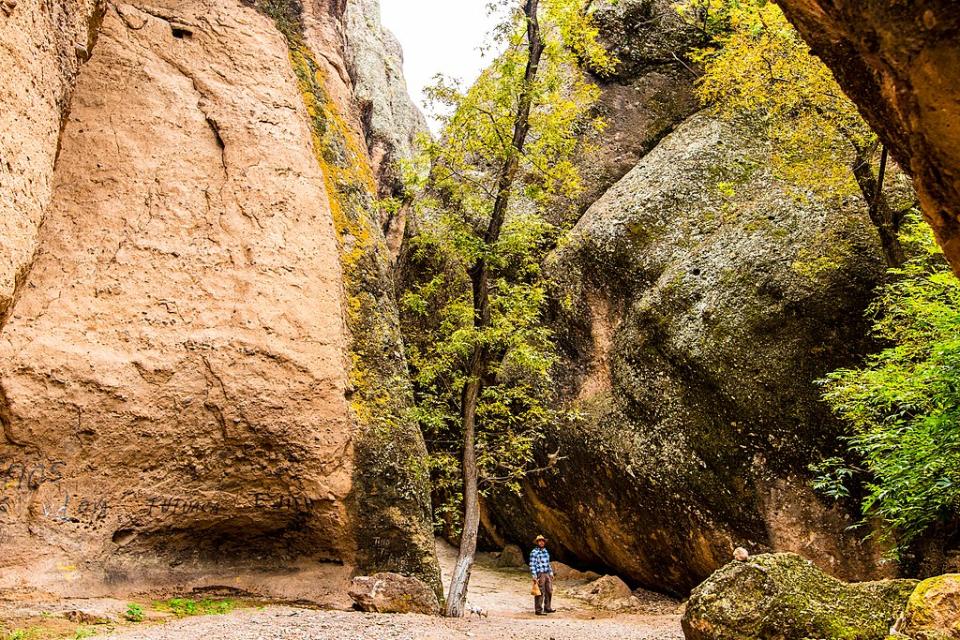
{"points": [[502, 593], [283, 623]]}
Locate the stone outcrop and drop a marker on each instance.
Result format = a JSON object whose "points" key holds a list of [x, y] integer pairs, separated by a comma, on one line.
{"points": [[201, 375], [42, 46], [900, 62], [375, 63], [933, 610], [648, 93], [393, 593], [785, 596], [702, 299]]}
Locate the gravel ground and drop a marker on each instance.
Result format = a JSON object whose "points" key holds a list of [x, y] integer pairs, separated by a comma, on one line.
{"points": [[284, 623], [503, 594]]}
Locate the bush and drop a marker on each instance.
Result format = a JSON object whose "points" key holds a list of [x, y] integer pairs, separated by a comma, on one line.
{"points": [[134, 613], [903, 404]]}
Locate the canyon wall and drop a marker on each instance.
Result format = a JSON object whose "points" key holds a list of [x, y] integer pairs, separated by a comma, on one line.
{"points": [[202, 379]]}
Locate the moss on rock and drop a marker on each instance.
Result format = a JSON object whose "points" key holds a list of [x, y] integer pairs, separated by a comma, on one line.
{"points": [[785, 596], [933, 611]]}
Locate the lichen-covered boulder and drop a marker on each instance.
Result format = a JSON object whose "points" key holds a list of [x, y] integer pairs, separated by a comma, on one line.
{"points": [[393, 593], [933, 611], [698, 301], [785, 597]]}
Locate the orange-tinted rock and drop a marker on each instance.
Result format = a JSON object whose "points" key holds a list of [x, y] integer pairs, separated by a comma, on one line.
{"points": [[900, 62], [179, 401], [44, 45]]}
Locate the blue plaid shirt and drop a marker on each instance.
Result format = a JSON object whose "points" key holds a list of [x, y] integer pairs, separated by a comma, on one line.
{"points": [[540, 562]]}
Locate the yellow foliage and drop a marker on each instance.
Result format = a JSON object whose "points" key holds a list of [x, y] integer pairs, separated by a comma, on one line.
{"points": [[761, 71]]}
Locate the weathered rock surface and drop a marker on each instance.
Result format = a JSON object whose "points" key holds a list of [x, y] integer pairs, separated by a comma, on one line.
{"points": [[393, 593], [192, 386], [649, 93], [702, 301], [375, 63], [900, 62], [933, 610], [42, 46], [783, 596]]}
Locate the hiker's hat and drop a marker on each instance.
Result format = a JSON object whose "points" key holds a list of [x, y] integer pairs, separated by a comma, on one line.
{"points": [[539, 538]]}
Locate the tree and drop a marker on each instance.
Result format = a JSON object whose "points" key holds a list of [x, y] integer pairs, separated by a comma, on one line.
{"points": [[760, 70], [903, 404], [505, 153]]}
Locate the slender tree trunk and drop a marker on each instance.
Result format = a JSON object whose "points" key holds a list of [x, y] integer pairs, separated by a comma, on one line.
{"points": [[480, 359], [882, 216]]}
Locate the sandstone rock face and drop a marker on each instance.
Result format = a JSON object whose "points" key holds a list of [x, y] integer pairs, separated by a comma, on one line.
{"points": [[42, 46], [900, 62], [393, 593], [933, 611], [191, 388], [785, 596], [703, 300]]}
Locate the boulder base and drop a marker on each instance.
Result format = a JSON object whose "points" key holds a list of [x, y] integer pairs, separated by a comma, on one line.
{"points": [[785, 596], [393, 593]]}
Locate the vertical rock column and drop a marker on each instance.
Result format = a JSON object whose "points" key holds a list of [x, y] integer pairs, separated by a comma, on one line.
{"points": [[42, 46], [175, 370]]}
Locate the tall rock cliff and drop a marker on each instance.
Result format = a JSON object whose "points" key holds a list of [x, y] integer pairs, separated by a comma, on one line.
{"points": [[698, 300], [201, 373]]}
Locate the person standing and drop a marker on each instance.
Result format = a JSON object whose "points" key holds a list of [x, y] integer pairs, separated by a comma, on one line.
{"points": [[542, 574]]}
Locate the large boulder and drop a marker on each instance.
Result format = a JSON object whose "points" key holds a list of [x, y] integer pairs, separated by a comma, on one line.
{"points": [[393, 593], [511, 557], [698, 302], [607, 592], [933, 611], [900, 62], [785, 597]]}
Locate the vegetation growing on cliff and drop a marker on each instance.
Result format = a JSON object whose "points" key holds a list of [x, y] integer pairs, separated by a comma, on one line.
{"points": [[506, 152], [760, 70], [903, 404]]}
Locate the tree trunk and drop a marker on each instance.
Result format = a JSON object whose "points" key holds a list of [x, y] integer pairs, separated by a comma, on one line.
{"points": [[480, 359], [882, 216]]}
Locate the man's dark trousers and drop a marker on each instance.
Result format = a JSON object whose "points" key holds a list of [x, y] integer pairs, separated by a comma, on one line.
{"points": [[542, 602]]}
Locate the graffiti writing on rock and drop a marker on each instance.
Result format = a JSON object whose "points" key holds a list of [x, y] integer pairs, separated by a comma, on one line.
{"points": [[184, 505], [29, 476], [79, 510]]}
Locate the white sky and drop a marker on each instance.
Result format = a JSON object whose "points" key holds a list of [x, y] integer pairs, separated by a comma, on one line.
{"points": [[439, 36]]}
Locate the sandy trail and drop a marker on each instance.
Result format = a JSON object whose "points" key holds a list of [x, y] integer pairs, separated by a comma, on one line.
{"points": [[504, 594]]}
